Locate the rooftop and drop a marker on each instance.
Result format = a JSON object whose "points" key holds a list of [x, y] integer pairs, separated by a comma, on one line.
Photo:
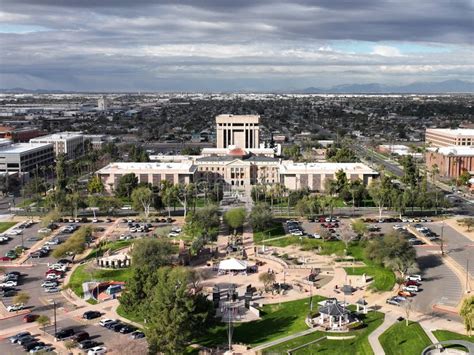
{"points": [[148, 167], [290, 167], [454, 150], [58, 136], [458, 132], [237, 118], [22, 147]]}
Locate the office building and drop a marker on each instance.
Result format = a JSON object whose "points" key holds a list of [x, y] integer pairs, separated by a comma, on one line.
{"points": [[445, 137], [451, 161], [69, 143], [242, 131], [24, 158]]}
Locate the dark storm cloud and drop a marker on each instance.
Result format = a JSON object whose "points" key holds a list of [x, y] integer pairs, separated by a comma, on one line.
{"points": [[93, 43]]}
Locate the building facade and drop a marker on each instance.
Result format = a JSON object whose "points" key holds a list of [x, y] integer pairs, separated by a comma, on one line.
{"points": [[242, 131], [24, 158], [444, 137], [69, 143], [153, 173], [451, 161]]}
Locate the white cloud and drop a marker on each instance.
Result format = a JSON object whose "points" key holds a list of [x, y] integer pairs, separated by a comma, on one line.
{"points": [[386, 51]]}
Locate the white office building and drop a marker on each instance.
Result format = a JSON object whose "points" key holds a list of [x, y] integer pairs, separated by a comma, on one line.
{"points": [[69, 143]]}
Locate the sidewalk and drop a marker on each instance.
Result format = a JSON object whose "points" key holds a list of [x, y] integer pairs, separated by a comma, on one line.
{"points": [[374, 342]]}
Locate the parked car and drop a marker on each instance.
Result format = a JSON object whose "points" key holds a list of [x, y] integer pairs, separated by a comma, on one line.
{"points": [[42, 349], [405, 293], [411, 288], [65, 333], [52, 290], [26, 339], [396, 300], [15, 307], [414, 278], [44, 230], [127, 329], [87, 344], [106, 321], [33, 344], [117, 327], [98, 350], [52, 277], [14, 339], [91, 315], [137, 335], [10, 283], [409, 283], [78, 337]]}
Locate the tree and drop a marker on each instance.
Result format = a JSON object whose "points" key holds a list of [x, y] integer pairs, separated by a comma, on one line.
{"points": [[410, 171], [379, 190], [95, 186], [407, 308], [127, 183], [467, 222], [61, 178], [142, 199], [467, 314], [260, 217], [75, 244], [43, 322], [168, 194], [267, 279], [175, 314], [359, 227], [235, 218], [21, 298], [463, 178], [70, 344]]}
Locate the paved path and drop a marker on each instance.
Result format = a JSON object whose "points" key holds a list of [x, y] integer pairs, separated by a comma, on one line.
{"points": [[284, 339], [374, 342]]}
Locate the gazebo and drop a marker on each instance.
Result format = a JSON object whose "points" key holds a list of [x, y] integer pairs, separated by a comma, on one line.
{"points": [[362, 303], [335, 313], [232, 265]]}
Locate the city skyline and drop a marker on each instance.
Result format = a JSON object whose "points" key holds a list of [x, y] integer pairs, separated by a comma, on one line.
{"points": [[231, 46]]}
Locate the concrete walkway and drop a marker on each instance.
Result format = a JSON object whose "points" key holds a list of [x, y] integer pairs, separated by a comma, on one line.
{"points": [[284, 339], [374, 336]]}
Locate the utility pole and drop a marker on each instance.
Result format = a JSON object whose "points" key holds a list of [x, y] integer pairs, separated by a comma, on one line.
{"points": [[468, 289], [441, 244]]}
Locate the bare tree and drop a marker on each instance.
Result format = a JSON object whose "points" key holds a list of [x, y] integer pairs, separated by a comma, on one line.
{"points": [[408, 308]]}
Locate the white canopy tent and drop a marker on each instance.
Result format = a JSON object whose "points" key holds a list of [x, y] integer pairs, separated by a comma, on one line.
{"points": [[233, 265]]}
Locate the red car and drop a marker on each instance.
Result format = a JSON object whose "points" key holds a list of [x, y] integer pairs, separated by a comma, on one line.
{"points": [[28, 318], [51, 271], [5, 258], [412, 283], [405, 294]]}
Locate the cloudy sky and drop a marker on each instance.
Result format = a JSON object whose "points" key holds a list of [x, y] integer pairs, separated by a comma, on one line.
{"points": [[172, 45]]}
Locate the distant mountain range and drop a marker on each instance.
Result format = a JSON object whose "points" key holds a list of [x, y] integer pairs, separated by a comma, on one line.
{"points": [[442, 87], [448, 86]]}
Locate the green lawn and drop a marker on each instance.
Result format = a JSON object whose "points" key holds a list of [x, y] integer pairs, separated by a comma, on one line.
{"points": [[112, 246], [82, 274], [274, 231], [277, 320], [358, 345], [443, 335], [384, 279], [400, 339], [5, 225]]}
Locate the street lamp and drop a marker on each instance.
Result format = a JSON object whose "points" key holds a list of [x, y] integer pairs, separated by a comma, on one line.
{"points": [[53, 301]]}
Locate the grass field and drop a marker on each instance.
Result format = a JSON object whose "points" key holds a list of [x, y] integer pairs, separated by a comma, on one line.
{"points": [[400, 339], [274, 231], [277, 320], [5, 225], [112, 246], [443, 335], [358, 345], [384, 279], [87, 273]]}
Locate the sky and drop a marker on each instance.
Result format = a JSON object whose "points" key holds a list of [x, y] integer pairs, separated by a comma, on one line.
{"points": [[232, 45]]}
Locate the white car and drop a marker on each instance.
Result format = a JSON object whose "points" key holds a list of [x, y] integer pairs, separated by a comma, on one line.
{"points": [[414, 278], [58, 267], [411, 288], [98, 350], [421, 228], [297, 233], [52, 242], [316, 236], [14, 231], [10, 283], [106, 321], [397, 227], [52, 289], [95, 220], [15, 307], [49, 284], [52, 277], [173, 234], [177, 230]]}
